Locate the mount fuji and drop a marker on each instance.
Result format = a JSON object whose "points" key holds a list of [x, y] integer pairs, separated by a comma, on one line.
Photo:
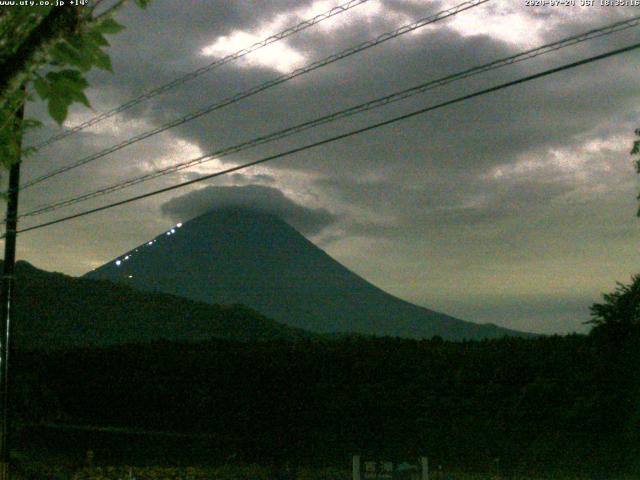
{"points": [[243, 256]]}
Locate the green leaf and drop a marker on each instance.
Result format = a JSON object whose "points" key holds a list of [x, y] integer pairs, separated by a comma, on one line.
{"points": [[82, 98], [109, 26], [67, 79], [64, 53], [64, 88], [67, 60], [143, 3], [96, 38], [84, 53], [58, 108], [103, 61], [42, 87]]}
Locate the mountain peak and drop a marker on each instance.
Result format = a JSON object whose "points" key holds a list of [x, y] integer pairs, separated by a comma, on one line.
{"points": [[245, 256]]}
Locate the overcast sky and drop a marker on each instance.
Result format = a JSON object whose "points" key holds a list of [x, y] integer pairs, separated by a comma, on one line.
{"points": [[516, 208]]}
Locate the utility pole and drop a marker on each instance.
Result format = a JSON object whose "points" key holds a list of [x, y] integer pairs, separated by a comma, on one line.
{"points": [[6, 298]]}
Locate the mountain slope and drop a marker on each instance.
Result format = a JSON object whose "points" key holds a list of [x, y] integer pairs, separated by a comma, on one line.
{"points": [[54, 310], [256, 259]]}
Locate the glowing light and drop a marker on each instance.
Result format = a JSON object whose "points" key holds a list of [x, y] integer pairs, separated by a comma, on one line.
{"points": [[118, 262], [511, 24], [278, 56], [127, 257], [179, 225], [130, 276], [168, 233], [150, 243], [173, 230]]}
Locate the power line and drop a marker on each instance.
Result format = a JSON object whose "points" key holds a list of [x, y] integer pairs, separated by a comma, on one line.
{"points": [[339, 137], [200, 71], [262, 87], [363, 107]]}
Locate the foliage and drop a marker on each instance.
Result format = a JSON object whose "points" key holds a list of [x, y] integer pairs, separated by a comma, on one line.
{"points": [[51, 48], [249, 472], [621, 307], [561, 405], [56, 469], [636, 151], [55, 310]]}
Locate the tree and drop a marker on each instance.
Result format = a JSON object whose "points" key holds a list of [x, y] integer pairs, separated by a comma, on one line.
{"points": [[636, 151], [50, 48], [622, 307]]}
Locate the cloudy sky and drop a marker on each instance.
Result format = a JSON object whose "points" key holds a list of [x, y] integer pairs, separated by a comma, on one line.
{"points": [[516, 208]]}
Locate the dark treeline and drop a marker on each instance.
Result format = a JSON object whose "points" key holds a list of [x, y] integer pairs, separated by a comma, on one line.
{"points": [[549, 404], [54, 311]]}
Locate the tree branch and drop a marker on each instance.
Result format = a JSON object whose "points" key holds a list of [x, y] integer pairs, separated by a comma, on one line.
{"points": [[111, 9], [59, 22]]}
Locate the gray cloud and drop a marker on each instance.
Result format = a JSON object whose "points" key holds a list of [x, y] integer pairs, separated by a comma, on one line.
{"points": [[421, 205], [522, 311], [476, 135], [309, 221]]}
